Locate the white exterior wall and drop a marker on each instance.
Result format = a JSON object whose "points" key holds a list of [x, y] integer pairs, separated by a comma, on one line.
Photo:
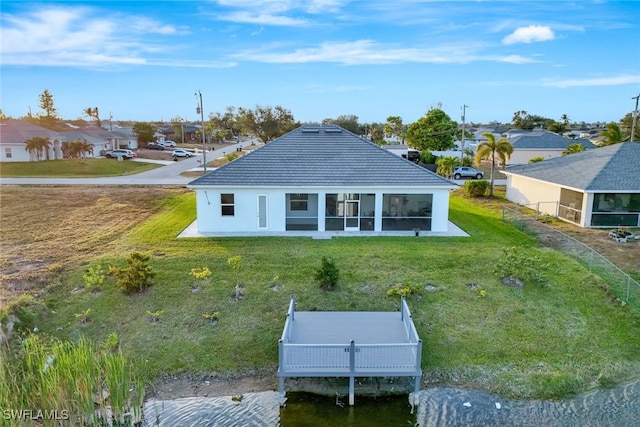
{"points": [[245, 219], [530, 192], [18, 153], [522, 157]]}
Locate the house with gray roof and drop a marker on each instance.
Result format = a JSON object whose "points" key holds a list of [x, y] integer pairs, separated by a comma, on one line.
{"points": [[540, 143], [594, 188], [15, 133], [321, 178]]}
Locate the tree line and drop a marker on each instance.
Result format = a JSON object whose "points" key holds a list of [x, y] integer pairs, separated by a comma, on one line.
{"points": [[435, 131]]}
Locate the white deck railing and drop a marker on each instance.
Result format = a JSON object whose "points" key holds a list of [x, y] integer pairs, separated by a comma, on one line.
{"points": [[393, 359]]}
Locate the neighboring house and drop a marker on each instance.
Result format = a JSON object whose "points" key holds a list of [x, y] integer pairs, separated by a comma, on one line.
{"points": [[543, 144], [321, 178], [102, 140], [14, 133], [595, 188]]}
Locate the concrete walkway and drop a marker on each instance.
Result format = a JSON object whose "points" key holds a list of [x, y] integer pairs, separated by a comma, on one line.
{"points": [[452, 231]]}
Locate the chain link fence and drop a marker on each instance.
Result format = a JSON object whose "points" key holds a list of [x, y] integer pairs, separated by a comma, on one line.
{"points": [[624, 286]]}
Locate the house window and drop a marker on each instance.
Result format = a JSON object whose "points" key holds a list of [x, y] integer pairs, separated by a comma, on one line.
{"points": [[7, 152], [299, 202], [227, 204]]}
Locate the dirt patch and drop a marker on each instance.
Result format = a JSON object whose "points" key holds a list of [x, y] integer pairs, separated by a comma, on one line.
{"points": [[47, 229], [213, 385]]}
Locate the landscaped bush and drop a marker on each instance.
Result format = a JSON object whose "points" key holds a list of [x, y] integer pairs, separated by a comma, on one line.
{"points": [[403, 289], [136, 277], [328, 274], [476, 188], [518, 264]]}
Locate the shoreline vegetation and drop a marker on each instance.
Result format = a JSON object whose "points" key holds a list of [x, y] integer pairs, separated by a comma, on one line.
{"points": [[550, 341]]}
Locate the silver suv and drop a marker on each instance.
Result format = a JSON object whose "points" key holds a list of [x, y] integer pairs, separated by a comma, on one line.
{"points": [[120, 153], [467, 172]]}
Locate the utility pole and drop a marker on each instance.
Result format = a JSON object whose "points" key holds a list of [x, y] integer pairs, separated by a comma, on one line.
{"points": [[204, 147], [464, 111], [635, 117]]}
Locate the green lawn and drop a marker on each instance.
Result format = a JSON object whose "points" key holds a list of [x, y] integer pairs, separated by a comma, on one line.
{"points": [[73, 168], [530, 342]]}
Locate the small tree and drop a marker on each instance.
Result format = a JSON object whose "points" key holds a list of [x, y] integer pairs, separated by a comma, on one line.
{"points": [[94, 277], [446, 165], [136, 277], [328, 274]]}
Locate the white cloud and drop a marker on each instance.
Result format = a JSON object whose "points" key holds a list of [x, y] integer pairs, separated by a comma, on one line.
{"points": [[529, 34], [370, 52], [247, 17], [594, 81], [77, 36]]}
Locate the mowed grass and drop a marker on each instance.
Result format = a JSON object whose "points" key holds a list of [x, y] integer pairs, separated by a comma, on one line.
{"points": [[529, 342], [73, 168]]}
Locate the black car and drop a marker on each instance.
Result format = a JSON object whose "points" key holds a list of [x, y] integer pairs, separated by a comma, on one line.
{"points": [[154, 146]]}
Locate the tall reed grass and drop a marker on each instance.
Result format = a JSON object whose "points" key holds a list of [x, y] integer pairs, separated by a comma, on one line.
{"points": [[68, 382]]}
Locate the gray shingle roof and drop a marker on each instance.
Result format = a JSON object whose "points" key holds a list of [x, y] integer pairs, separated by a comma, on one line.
{"points": [[547, 140], [321, 156], [612, 168], [18, 131]]}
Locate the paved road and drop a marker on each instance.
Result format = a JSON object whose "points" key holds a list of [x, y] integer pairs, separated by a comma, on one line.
{"points": [[165, 175]]}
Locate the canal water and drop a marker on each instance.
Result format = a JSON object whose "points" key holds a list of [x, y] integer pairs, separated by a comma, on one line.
{"points": [[616, 407]]}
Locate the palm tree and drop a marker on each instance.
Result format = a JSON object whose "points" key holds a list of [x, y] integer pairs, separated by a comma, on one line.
{"points": [[573, 148], [446, 165], [492, 148], [565, 119], [38, 147], [612, 134]]}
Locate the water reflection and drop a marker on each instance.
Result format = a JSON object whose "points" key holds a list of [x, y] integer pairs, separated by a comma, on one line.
{"points": [[438, 407]]}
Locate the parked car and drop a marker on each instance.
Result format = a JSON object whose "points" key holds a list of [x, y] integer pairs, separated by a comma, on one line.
{"points": [[467, 172], [125, 154], [168, 144], [155, 146], [179, 152]]}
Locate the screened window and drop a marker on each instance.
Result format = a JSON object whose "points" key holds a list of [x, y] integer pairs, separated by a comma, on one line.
{"points": [[7, 152], [227, 204]]}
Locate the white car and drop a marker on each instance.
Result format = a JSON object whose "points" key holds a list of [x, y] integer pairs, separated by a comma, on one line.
{"points": [[169, 144], [467, 172], [179, 152]]}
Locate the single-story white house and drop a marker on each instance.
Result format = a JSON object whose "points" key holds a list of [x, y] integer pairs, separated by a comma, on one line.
{"points": [[321, 178], [14, 133], [594, 188]]}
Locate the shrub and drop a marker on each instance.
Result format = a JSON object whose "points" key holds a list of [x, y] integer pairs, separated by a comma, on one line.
{"points": [[428, 157], [405, 288], [328, 273], [476, 188], [232, 156], [521, 264], [136, 277], [94, 277]]}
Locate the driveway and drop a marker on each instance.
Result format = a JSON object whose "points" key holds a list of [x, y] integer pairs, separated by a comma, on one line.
{"points": [[169, 174]]}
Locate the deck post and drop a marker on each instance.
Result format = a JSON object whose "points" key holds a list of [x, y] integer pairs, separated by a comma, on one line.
{"points": [[352, 368], [280, 370]]}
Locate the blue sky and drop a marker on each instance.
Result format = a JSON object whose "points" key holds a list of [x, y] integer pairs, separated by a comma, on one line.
{"points": [[145, 60]]}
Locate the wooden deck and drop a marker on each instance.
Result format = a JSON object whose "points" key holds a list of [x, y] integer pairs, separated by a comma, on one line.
{"points": [[349, 344]]}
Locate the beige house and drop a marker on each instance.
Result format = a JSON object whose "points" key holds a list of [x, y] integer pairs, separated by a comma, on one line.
{"points": [[594, 188]]}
